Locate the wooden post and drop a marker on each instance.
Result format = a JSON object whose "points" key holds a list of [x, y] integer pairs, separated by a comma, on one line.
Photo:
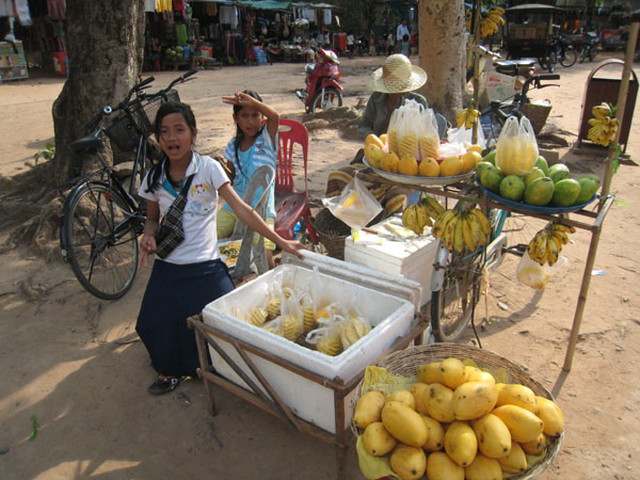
{"points": [[476, 65], [606, 186]]}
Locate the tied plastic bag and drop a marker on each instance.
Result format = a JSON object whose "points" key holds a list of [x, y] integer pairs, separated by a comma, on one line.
{"points": [[517, 149], [413, 132], [533, 274], [355, 206], [464, 136]]}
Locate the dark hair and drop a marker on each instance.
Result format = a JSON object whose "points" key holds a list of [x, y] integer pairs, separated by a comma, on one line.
{"points": [[239, 134], [153, 180]]}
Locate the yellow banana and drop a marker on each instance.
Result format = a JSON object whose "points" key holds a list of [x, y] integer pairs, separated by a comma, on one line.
{"points": [[424, 220], [458, 239], [538, 247], [482, 219], [498, 10], [435, 205], [448, 235], [461, 116], [441, 222], [562, 237], [479, 238], [552, 251], [467, 233], [410, 219], [563, 228]]}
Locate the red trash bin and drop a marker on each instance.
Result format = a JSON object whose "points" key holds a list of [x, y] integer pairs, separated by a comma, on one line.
{"points": [[59, 63]]}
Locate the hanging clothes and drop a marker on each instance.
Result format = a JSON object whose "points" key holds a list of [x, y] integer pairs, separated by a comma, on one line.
{"points": [[6, 8], [56, 9], [23, 14], [326, 13], [229, 16], [181, 34], [164, 6], [149, 5], [179, 6]]}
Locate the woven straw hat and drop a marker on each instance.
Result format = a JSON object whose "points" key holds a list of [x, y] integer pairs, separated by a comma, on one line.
{"points": [[398, 75]]}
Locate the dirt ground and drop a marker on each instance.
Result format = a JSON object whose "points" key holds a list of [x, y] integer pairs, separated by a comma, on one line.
{"points": [[74, 362]]}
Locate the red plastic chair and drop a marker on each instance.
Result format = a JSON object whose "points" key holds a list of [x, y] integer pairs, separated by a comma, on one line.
{"points": [[292, 205]]}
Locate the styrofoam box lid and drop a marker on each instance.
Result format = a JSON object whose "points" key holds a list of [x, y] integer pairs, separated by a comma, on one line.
{"points": [[391, 317]]}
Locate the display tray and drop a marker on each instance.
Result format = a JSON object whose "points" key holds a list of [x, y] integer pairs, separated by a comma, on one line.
{"points": [[526, 208], [229, 251], [418, 181]]}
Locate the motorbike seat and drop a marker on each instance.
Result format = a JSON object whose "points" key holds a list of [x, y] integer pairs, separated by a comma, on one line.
{"points": [[514, 67]]}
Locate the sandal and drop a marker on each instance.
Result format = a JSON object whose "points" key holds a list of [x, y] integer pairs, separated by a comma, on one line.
{"points": [[165, 384]]}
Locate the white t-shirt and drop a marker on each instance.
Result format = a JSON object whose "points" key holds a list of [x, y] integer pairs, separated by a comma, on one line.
{"points": [[199, 220]]}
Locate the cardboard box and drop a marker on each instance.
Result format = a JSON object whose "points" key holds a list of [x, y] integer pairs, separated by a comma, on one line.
{"points": [[411, 257], [388, 302]]}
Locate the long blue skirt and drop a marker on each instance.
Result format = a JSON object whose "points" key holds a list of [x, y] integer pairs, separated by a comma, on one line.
{"points": [[174, 293]]}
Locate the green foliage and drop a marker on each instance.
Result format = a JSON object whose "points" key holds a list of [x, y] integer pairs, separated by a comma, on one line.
{"points": [[47, 153]]}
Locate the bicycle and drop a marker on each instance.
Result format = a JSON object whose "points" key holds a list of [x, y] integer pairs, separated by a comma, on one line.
{"points": [[101, 216], [493, 116]]}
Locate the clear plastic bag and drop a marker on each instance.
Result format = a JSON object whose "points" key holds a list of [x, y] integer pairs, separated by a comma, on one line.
{"points": [[355, 206], [517, 148], [533, 274]]}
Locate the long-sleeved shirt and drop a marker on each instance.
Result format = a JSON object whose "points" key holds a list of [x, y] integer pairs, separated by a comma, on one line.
{"points": [[377, 114]]}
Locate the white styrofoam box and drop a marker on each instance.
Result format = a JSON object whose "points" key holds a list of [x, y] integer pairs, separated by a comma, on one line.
{"points": [[392, 316], [411, 257]]}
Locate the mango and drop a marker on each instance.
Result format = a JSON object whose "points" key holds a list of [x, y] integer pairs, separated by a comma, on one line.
{"points": [[551, 416], [409, 463], [406, 425], [435, 435], [535, 447], [441, 467], [516, 394], [515, 461], [408, 166], [542, 164], [490, 157], [494, 438], [438, 403], [403, 396], [430, 373], [418, 390], [483, 468], [376, 440], [452, 372], [565, 192], [533, 175], [473, 400], [589, 185], [512, 188], [558, 171], [523, 425], [368, 408], [539, 192], [460, 443], [490, 178]]}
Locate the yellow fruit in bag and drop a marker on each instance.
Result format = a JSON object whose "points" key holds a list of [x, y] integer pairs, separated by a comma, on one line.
{"points": [[517, 149]]}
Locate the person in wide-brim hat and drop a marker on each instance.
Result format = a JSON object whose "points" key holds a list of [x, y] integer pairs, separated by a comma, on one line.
{"points": [[392, 84], [398, 75]]}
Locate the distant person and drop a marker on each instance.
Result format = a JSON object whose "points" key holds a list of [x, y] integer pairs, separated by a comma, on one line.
{"points": [[351, 45], [401, 31], [391, 43], [405, 47]]}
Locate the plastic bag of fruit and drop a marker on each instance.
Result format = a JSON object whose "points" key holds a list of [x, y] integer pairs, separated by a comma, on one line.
{"points": [[517, 148]]}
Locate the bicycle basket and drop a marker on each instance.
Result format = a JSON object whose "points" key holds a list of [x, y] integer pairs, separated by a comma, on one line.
{"points": [[126, 126]]}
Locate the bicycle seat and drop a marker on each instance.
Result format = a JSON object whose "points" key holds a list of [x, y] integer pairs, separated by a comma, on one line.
{"points": [[92, 141], [514, 67]]}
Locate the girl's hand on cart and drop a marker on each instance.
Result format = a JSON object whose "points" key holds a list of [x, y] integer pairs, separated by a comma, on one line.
{"points": [[147, 247], [293, 247]]}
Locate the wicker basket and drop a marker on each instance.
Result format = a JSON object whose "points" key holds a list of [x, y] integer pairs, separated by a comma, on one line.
{"points": [[405, 363], [332, 233], [537, 115], [125, 127]]}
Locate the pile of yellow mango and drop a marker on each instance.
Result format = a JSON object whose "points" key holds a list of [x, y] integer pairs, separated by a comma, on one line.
{"points": [[414, 157]]}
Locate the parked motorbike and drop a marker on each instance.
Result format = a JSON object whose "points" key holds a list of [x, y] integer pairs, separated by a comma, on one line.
{"points": [[523, 67], [322, 78], [590, 41]]}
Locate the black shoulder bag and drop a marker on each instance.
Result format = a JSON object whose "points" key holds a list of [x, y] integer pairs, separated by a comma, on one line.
{"points": [[170, 233]]}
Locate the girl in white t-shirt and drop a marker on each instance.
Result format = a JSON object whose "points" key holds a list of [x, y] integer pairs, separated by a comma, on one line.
{"points": [[193, 274]]}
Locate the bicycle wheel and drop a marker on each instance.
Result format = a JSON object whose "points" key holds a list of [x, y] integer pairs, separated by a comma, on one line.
{"points": [[100, 240], [453, 305], [569, 58], [325, 99]]}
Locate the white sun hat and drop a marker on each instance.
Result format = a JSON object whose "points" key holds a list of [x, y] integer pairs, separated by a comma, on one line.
{"points": [[398, 75]]}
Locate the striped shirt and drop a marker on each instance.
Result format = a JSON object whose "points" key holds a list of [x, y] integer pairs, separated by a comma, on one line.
{"points": [[262, 152]]}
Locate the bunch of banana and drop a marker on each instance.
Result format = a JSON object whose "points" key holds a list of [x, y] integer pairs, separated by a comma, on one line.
{"points": [[491, 22], [546, 245], [353, 330], [604, 125], [467, 117], [415, 217], [462, 230]]}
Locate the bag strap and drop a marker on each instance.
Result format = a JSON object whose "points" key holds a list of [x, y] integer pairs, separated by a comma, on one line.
{"points": [[184, 191]]}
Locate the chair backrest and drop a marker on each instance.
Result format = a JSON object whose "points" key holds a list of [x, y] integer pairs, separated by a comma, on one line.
{"points": [[290, 133]]}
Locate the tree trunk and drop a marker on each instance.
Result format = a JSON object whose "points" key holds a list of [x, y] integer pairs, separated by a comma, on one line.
{"points": [[105, 45], [442, 43]]}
